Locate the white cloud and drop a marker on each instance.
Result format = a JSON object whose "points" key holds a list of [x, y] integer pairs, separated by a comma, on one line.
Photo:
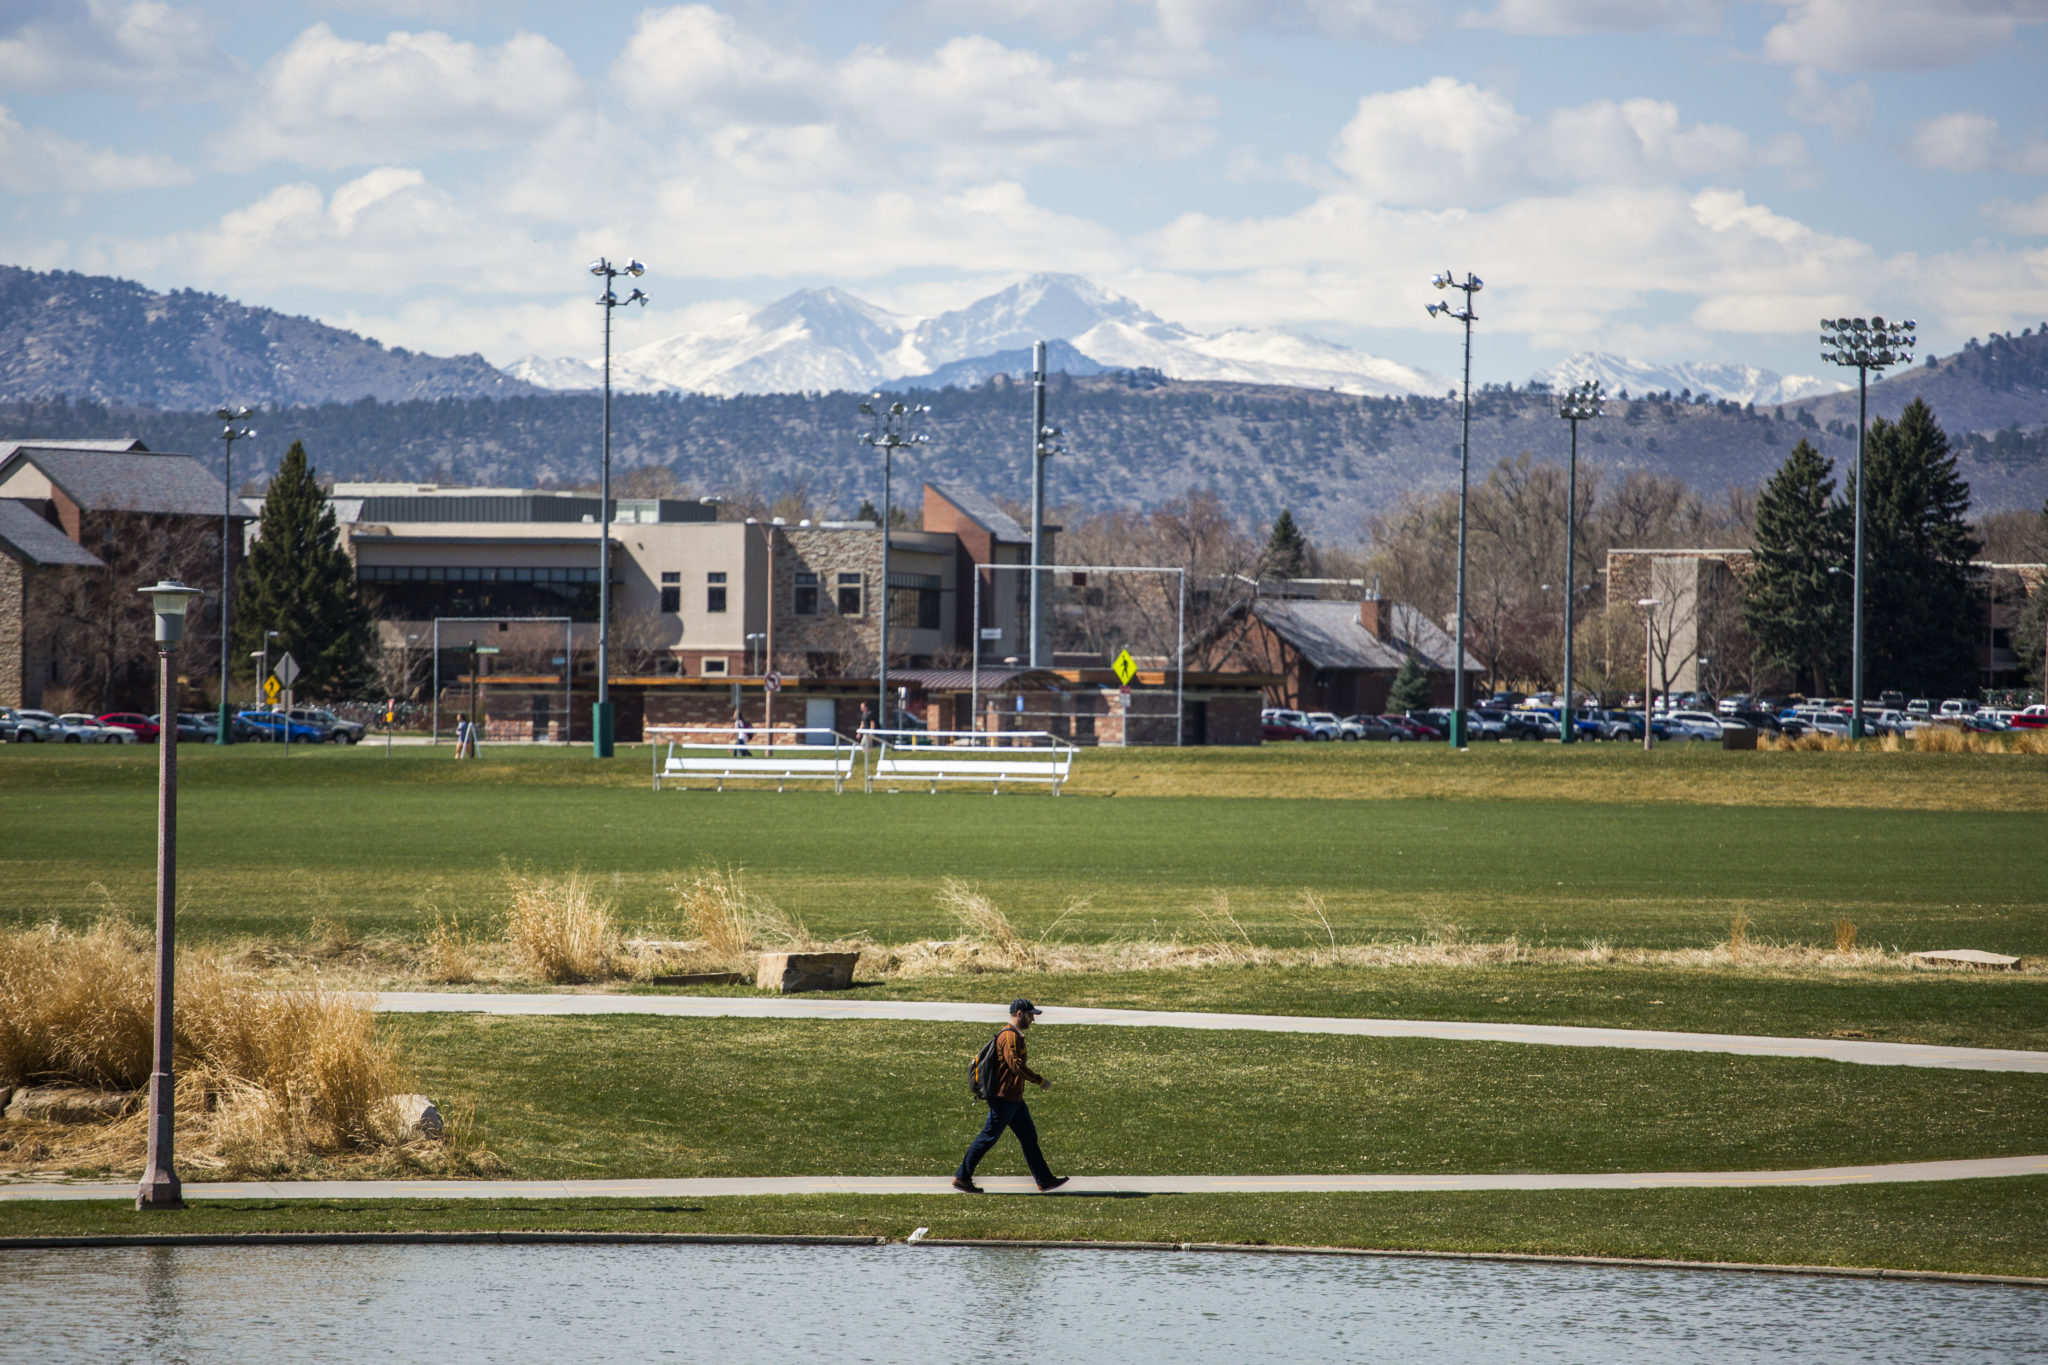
{"points": [[2029, 219], [1447, 142], [969, 100], [1189, 23], [1968, 142], [121, 44], [1842, 112], [1895, 35], [332, 101], [1595, 16], [36, 160]]}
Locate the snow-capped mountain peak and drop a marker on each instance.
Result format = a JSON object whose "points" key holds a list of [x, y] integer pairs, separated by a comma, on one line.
{"points": [[1741, 383], [1039, 308]]}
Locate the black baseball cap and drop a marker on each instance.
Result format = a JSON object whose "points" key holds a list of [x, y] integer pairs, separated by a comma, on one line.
{"points": [[1024, 1007]]}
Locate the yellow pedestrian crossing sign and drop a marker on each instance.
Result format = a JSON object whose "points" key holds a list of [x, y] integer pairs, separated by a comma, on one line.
{"points": [[271, 687], [1126, 667]]}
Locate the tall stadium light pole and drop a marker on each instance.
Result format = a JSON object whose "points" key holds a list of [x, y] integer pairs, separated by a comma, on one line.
{"points": [[601, 712], [1581, 403], [1649, 605], [229, 434], [1044, 445], [889, 430], [160, 1188], [1470, 285], [1865, 344]]}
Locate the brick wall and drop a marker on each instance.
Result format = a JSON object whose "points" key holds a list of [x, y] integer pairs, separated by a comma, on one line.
{"points": [[850, 640], [13, 632]]}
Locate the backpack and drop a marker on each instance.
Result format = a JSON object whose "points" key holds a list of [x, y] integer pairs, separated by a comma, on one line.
{"points": [[983, 1070]]}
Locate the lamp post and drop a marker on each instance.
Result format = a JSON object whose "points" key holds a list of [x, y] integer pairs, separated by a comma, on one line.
{"points": [[601, 712], [1470, 285], [1044, 445], [889, 429], [1581, 403], [160, 1188], [1648, 604], [1864, 344], [229, 434]]}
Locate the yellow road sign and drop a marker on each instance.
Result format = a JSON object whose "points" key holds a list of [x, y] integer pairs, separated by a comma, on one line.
{"points": [[1126, 667], [271, 687]]}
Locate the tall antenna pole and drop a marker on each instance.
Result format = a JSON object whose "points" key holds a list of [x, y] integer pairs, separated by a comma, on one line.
{"points": [[1037, 492], [1470, 285]]}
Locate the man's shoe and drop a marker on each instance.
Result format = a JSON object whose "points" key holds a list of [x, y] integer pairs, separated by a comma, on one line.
{"points": [[966, 1186], [1049, 1186]]}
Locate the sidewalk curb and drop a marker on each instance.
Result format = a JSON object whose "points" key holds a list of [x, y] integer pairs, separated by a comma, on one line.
{"points": [[506, 1238]]}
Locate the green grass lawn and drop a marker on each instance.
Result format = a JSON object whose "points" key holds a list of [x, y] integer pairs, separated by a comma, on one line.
{"points": [[1981, 1226], [1655, 852], [635, 1096]]}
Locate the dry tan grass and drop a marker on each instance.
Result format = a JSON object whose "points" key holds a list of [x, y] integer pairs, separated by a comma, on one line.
{"points": [[268, 1079], [987, 929], [1845, 934], [730, 924], [450, 957], [1738, 935], [562, 928]]}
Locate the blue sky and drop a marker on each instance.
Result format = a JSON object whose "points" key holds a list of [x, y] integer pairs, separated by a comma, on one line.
{"points": [[1667, 179]]}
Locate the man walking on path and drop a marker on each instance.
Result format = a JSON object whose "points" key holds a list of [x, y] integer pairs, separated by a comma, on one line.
{"points": [[1006, 1107]]}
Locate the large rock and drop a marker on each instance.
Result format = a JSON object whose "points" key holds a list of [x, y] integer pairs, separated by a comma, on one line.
{"points": [[67, 1104], [418, 1116], [793, 972]]}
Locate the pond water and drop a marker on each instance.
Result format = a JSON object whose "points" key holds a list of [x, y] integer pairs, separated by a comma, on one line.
{"points": [[936, 1304]]}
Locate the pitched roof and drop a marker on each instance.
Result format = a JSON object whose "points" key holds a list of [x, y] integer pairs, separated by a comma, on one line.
{"points": [[983, 509], [126, 481], [115, 443], [1330, 636], [29, 536]]}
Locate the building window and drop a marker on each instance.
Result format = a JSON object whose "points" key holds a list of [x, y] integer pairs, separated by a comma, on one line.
{"points": [[671, 592], [714, 592], [849, 594], [714, 668], [805, 600], [927, 608]]}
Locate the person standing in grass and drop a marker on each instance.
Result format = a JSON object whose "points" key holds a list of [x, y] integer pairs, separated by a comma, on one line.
{"points": [[742, 736], [1006, 1107]]}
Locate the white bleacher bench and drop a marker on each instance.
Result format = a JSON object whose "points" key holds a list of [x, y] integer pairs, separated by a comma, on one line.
{"points": [[999, 759], [781, 755]]}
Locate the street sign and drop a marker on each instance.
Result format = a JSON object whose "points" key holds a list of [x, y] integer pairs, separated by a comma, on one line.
{"points": [[271, 687], [485, 649], [1126, 667], [287, 670], [991, 632], [773, 682]]}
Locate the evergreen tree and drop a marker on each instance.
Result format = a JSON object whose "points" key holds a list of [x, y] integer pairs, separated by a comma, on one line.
{"points": [[869, 512], [299, 582], [2030, 629], [1287, 548], [1410, 690], [1797, 612], [1920, 610]]}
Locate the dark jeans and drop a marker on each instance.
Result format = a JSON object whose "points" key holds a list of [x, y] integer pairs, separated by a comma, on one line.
{"points": [[1014, 1115]]}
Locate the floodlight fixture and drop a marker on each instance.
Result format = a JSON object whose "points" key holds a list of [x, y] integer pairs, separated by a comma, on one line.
{"points": [[1579, 403], [1469, 286], [890, 430], [1863, 344], [601, 711]]}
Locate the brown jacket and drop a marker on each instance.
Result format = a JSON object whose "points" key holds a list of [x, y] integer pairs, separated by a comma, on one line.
{"points": [[1012, 1068]]}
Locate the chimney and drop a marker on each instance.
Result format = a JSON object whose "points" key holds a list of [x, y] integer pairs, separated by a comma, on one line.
{"points": [[1373, 615]]}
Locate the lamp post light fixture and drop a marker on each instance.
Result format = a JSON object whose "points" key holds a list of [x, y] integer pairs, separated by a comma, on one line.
{"points": [[1864, 344], [160, 1188], [601, 712], [1470, 285], [1580, 403], [1649, 605], [1044, 445], [889, 430], [229, 434]]}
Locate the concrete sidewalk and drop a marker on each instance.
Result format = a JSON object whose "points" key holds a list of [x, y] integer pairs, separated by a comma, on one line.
{"points": [[715, 1187], [1860, 1051]]}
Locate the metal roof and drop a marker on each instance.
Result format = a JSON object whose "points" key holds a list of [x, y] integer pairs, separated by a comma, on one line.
{"points": [[983, 509], [963, 679], [126, 481], [35, 540], [1330, 636]]}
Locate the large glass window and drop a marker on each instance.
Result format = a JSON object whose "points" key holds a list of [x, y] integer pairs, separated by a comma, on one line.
{"points": [[850, 594], [804, 601], [672, 592], [714, 592]]}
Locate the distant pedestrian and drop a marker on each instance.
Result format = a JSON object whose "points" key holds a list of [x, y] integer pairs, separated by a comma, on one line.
{"points": [[742, 735], [465, 736], [1006, 1107], [867, 720]]}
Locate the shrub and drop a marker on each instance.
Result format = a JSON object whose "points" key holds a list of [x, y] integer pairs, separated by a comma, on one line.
{"points": [[731, 923], [561, 928]]}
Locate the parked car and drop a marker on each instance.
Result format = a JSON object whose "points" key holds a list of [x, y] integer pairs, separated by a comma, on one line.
{"points": [[1477, 726], [1373, 728], [33, 727], [1980, 724], [1276, 724], [1523, 724], [1418, 727], [1958, 706], [145, 729], [273, 727], [77, 727], [337, 730], [1324, 723], [2032, 718], [1920, 706]]}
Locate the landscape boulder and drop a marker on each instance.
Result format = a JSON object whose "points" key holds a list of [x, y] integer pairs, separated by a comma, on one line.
{"points": [[418, 1116], [67, 1104], [789, 973], [1966, 957]]}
